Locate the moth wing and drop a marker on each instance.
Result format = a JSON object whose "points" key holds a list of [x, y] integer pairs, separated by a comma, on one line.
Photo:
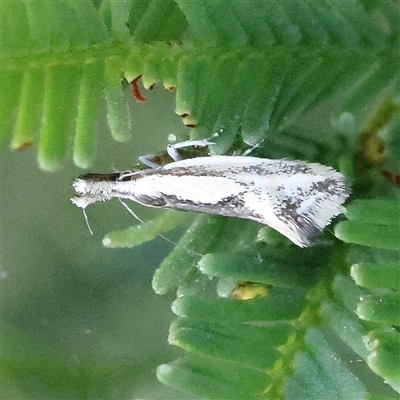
{"points": [[231, 167], [299, 205], [296, 198]]}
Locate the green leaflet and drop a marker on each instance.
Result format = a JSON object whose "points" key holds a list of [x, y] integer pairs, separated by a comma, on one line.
{"points": [[384, 347], [377, 275], [138, 234], [200, 373], [373, 223]]}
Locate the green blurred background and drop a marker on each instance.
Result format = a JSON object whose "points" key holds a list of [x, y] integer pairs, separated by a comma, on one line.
{"points": [[80, 320]]}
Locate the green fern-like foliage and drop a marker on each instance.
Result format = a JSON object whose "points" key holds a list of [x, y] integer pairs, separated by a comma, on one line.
{"points": [[256, 316]]}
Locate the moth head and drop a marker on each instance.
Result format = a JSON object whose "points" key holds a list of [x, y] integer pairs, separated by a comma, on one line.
{"points": [[88, 192], [83, 198], [81, 186]]}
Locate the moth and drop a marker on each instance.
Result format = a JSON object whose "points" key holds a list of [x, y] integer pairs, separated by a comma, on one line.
{"points": [[296, 198]]}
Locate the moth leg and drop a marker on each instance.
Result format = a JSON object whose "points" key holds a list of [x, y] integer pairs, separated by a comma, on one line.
{"points": [[126, 174], [154, 161], [249, 150], [172, 149], [147, 160]]}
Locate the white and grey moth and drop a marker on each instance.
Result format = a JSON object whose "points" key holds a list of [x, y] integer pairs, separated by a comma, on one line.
{"points": [[296, 198]]}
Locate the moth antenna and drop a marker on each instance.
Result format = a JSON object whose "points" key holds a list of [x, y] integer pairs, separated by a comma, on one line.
{"points": [[87, 221], [159, 234]]}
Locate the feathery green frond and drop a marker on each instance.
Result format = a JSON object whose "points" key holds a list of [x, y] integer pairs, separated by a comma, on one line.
{"points": [[282, 59]]}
